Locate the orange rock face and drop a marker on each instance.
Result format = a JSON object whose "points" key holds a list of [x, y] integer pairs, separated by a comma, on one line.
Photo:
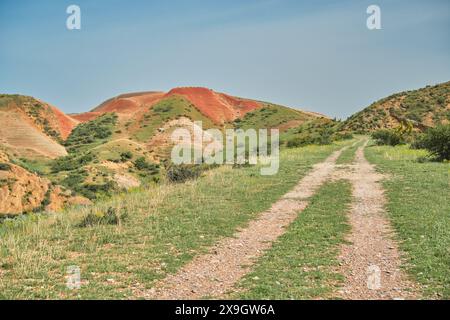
{"points": [[20, 190], [218, 107]]}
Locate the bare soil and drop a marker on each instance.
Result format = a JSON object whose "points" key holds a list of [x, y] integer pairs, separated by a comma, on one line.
{"points": [[371, 260]]}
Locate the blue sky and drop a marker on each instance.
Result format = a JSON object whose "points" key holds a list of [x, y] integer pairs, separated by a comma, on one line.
{"points": [[315, 55]]}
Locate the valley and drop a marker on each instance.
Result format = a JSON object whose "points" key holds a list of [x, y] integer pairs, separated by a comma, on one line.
{"points": [[97, 190]]}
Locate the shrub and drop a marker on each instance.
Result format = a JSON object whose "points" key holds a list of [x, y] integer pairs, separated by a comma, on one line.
{"points": [[112, 216], [5, 166], [437, 142], [71, 162], [417, 141], [387, 137], [298, 142], [143, 165], [181, 173], [343, 136], [125, 156]]}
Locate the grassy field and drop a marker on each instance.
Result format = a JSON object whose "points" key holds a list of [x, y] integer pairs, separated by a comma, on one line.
{"points": [[165, 226], [300, 264], [419, 209]]}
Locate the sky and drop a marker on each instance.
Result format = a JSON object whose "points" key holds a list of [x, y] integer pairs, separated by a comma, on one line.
{"points": [[313, 55]]}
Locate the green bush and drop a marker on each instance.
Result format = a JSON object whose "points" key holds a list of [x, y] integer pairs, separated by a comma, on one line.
{"points": [[298, 142], [143, 165], [182, 173], [71, 162], [437, 142], [388, 137], [125, 156], [417, 141]]}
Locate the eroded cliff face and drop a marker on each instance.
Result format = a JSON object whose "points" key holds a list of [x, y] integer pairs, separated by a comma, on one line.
{"points": [[23, 191]]}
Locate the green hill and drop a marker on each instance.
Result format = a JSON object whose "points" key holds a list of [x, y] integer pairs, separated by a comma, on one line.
{"points": [[425, 107]]}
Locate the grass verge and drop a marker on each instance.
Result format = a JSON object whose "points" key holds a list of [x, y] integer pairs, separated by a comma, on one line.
{"points": [[300, 264], [419, 209]]}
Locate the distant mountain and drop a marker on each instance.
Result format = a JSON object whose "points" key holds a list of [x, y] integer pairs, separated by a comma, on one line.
{"points": [[424, 108]]}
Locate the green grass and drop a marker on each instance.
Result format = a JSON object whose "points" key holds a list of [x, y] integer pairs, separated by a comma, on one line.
{"points": [[300, 264], [419, 209], [40, 166], [168, 109], [270, 116], [347, 156], [166, 226]]}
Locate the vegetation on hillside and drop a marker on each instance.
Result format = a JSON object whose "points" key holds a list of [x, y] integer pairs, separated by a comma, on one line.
{"points": [[89, 143], [426, 107], [318, 131], [91, 133], [165, 110], [270, 116], [40, 113]]}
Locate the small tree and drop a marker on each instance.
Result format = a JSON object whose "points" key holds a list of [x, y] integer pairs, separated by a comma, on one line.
{"points": [[437, 142]]}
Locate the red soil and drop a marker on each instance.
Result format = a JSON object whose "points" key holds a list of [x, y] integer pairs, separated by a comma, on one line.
{"points": [[129, 103], [65, 123], [86, 116], [218, 107]]}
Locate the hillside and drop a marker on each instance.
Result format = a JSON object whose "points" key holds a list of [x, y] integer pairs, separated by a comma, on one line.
{"points": [[122, 143], [33, 128], [425, 107], [22, 190]]}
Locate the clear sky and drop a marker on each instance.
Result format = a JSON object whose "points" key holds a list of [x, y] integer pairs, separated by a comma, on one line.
{"points": [[316, 55]]}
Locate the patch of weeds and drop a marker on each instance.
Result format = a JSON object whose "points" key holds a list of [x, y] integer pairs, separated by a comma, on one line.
{"points": [[112, 216], [182, 173]]}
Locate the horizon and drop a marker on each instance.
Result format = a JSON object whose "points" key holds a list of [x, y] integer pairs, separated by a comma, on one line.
{"points": [[292, 107], [336, 67]]}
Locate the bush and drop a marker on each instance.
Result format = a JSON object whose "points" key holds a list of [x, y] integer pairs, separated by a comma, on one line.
{"points": [[143, 165], [5, 166], [112, 216], [417, 142], [298, 142], [125, 156], [437, 142], [387, 137], [181, 173], [71, 162]]}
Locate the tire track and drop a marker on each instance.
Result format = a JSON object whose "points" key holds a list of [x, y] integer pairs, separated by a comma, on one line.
{"points": [[371, 261], [215, 273]]}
